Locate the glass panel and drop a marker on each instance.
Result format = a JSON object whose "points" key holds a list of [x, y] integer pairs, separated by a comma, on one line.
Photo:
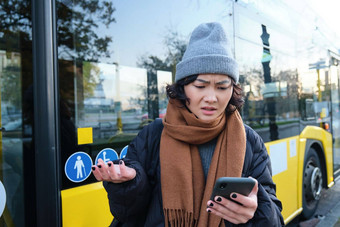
{"points": [[270, 82], [335, 93], [16, 113], [283, 71], [114, 63]]}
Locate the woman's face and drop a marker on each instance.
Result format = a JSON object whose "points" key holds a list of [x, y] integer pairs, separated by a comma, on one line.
{"points": [[209, 95]]}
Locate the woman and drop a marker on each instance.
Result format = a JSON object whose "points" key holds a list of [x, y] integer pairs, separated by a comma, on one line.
{"points": [[170, 169]]}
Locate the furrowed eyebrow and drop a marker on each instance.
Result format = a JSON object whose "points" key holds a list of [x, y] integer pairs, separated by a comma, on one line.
{"points": [[223, 82], [218, 83], [203, 81]]}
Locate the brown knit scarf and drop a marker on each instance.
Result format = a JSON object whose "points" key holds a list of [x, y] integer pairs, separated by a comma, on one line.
{"points": [[184, 191]]}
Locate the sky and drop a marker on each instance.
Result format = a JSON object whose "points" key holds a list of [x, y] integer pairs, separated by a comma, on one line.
{"points": [[328, 10], [142, 25], [141, 28]]}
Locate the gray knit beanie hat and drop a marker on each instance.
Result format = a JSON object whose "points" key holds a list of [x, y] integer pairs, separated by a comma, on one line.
{"points": [[208, 52]]}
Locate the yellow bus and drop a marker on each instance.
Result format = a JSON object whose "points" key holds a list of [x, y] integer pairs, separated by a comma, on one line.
{"points": [[79, 79]]}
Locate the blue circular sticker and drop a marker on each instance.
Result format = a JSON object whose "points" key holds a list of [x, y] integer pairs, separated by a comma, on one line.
{"points": [[107, 154], [2, 198], [123, 153], [78, 167]]}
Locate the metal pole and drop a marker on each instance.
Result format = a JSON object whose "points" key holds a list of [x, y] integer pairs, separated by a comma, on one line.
{"points": [[319, 86], [45, 113]]}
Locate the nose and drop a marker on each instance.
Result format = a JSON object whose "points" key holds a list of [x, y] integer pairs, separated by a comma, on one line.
{"points": [[210, 97]]}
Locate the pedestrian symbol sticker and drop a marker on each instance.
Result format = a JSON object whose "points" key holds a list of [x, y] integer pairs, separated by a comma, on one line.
{"points": [[107, 154], [78, 167], [123, 152]]}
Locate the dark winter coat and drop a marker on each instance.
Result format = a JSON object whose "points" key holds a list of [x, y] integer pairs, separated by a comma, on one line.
{"points": [[139, 202]]}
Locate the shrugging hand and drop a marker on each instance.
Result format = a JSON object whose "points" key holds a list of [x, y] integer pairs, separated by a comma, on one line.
{"points": [[233, 212], [113, 172]]}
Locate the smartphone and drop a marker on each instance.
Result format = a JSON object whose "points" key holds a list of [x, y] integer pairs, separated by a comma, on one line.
{"points": [[224, 186]]}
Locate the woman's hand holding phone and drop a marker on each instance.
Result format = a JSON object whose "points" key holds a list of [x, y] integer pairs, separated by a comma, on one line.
{"points": [[237, 209]]}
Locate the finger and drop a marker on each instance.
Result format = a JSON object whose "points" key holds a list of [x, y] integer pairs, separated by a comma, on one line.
{"points": [[123, 169], [252, 197], [222, 203], [210, 203], [127, 173], [225, 212], [246, 201], [223, 216], [235, 209], [96, 173], [100, 163], [228, 215], [113, 171], [249, 201], [245, 211], [219, 199], [103, 169]]}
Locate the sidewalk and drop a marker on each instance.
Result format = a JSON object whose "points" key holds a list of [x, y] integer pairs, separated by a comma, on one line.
{"points": [[330, 217], [328, 211]]}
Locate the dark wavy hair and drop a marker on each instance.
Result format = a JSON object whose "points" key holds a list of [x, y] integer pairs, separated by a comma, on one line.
{"points": [[176, 91]]}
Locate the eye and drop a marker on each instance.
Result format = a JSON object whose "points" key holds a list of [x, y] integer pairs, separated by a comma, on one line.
{"points": [[199, 86], [224, 87]]}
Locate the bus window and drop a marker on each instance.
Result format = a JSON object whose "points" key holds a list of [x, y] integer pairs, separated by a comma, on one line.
{"points": [[291, 99], [17, 168], [270, 86], [112, 79], [309, 111], [335, 106], [115, 61]]}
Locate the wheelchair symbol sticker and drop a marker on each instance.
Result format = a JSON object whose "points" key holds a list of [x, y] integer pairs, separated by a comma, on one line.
{"points": [[78, 167], [107, 154]]}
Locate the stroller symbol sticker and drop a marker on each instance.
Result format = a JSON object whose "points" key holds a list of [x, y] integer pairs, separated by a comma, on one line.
{"points": [[123, 152]]}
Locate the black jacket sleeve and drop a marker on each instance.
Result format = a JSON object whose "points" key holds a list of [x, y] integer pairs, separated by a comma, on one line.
{"points": [[258, 166], [130, 200]]}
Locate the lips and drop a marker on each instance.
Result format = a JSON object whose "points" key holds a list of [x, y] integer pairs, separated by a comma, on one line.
{"points": [[209, 108]]}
